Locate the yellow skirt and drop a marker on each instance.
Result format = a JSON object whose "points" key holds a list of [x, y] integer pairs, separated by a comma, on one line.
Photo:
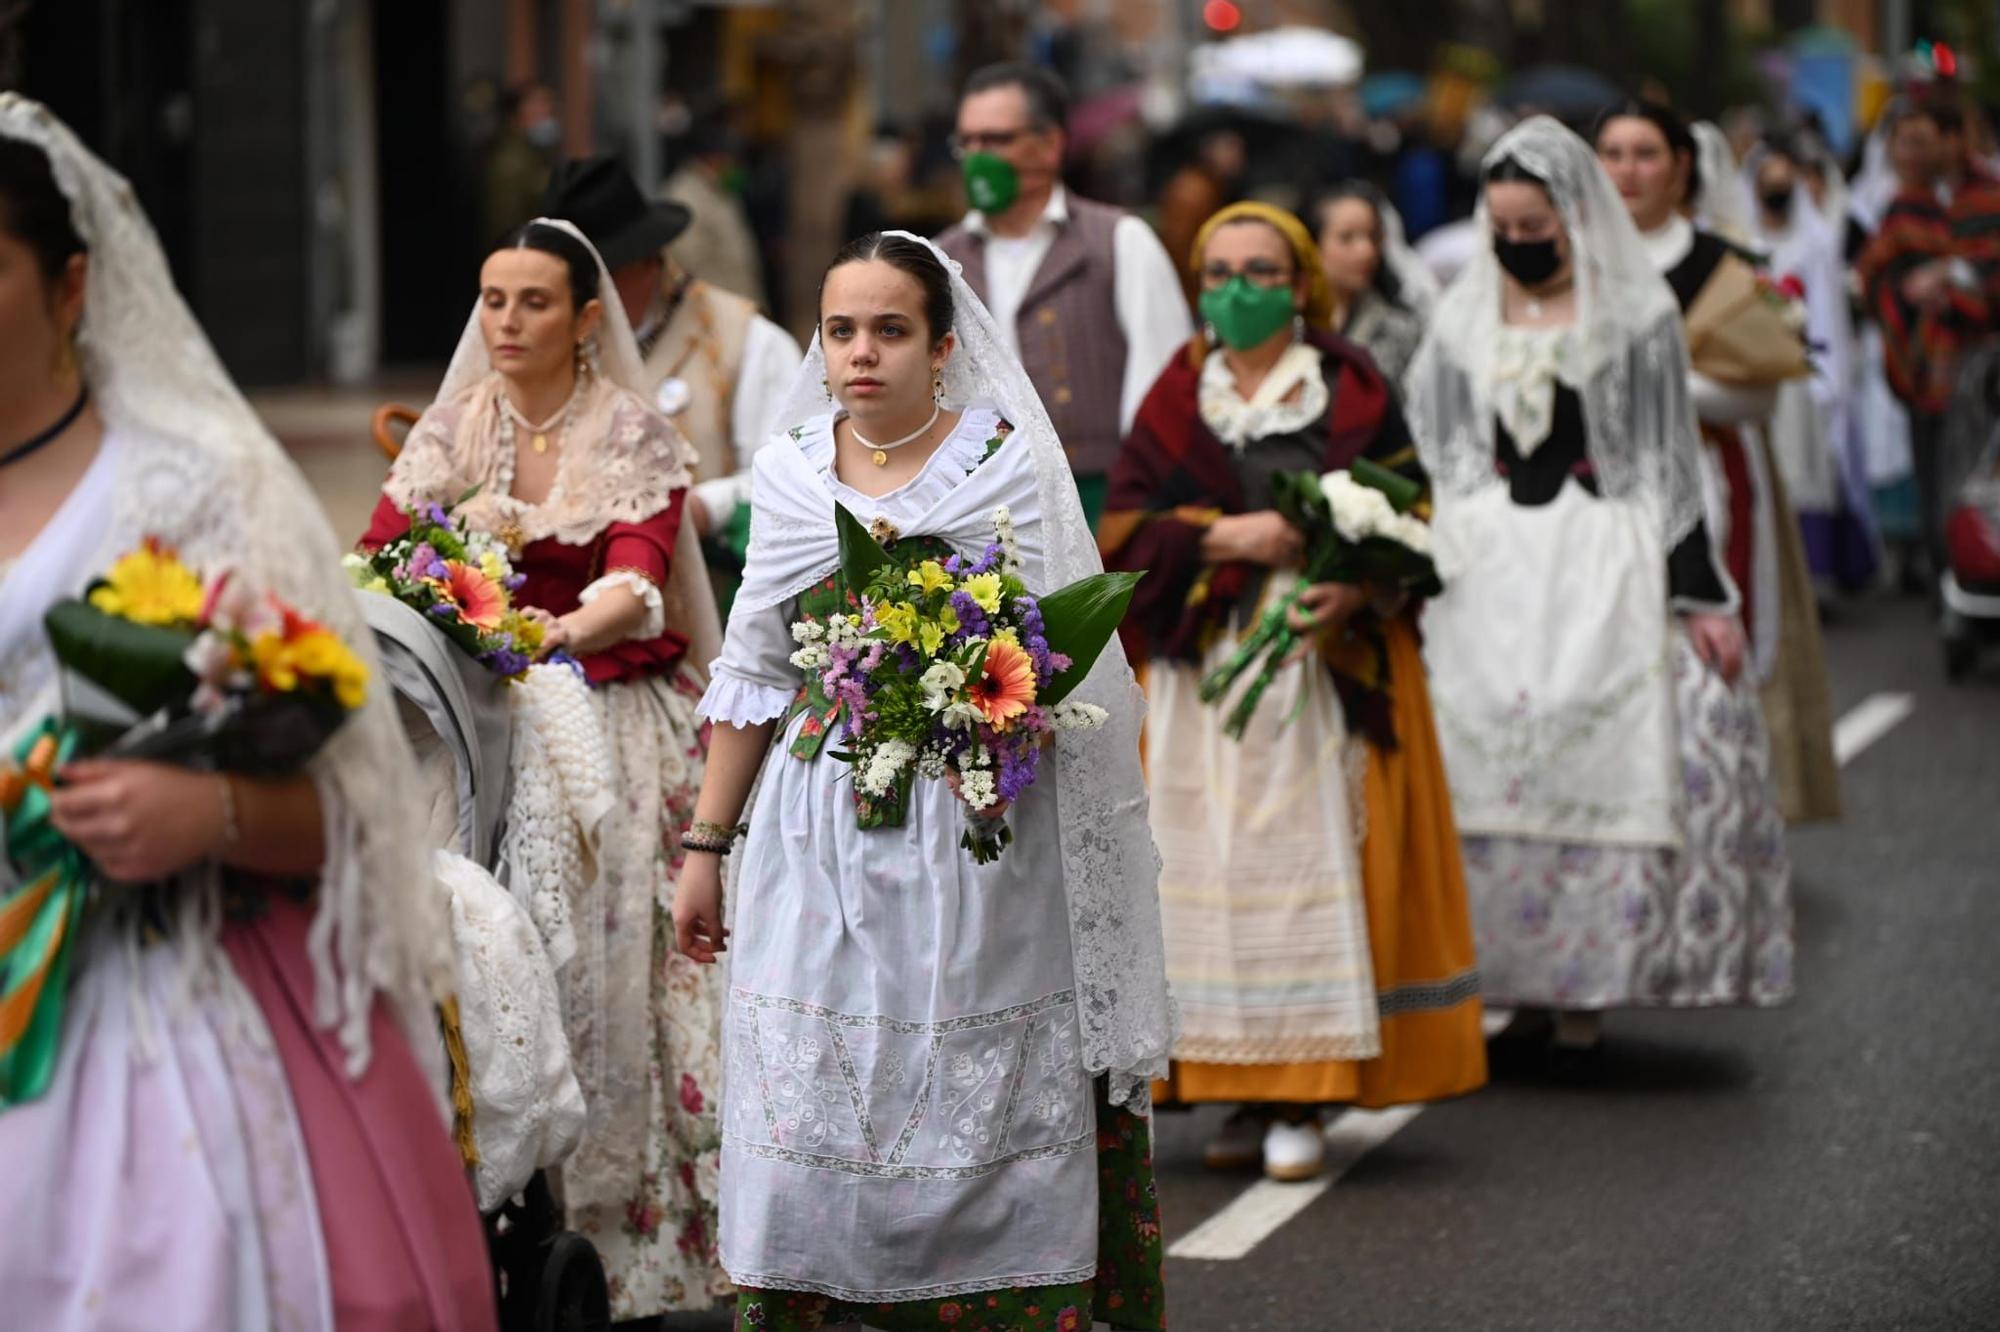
{"points": [[1419, 936]]}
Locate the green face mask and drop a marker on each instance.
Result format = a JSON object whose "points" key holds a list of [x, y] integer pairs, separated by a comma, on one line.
{"points": [[1244, 314], [991, 182]]}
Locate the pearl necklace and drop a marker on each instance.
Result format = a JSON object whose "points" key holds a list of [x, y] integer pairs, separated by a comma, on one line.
{"points": [[879, 453], [539, 434]]}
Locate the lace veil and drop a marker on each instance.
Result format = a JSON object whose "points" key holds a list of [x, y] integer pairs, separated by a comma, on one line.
{"points": [[1630, 361], [1414, 279], [197, 468], [1110, 865], [637, 457], [1724, 206]]}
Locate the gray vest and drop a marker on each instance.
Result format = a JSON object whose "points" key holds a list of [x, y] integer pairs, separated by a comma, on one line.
{"points": [[1071, 344]]}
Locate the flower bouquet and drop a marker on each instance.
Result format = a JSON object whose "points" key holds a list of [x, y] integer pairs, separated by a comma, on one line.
{"points": [[1358, 529], [153, 663], [949, 669], [461, 581]]}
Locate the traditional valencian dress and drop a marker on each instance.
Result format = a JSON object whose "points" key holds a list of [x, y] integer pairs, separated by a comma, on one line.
{"points": [[1622, 839], [240, 1132], [1318, 938], [643, 1022], [1739, 348], [935, 1092]]}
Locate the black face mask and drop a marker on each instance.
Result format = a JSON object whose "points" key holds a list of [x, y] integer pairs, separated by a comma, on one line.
{"points": [[1531, 263], [1777, 202]]}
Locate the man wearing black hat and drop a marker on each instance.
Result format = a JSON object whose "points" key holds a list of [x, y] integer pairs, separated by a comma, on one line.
{"points": [[717, 367]]}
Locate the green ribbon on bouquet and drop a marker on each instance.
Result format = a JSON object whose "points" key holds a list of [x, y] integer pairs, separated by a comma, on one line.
{"points": [[39, 918]]}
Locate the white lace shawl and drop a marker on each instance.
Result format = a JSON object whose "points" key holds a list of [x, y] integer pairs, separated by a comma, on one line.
{"points": [[1631, 356], [1110, 865], [196, 468]]}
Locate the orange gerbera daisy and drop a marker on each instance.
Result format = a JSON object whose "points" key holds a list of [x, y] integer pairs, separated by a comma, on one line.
{"points": [[479, 600], [1006, 687]]}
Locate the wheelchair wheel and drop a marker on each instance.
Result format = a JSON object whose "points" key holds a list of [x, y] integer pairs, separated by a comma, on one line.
{"points": [[572, 1295]]}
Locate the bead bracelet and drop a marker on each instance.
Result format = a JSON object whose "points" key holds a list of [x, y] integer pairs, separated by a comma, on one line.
{"points": [[714, 838]]}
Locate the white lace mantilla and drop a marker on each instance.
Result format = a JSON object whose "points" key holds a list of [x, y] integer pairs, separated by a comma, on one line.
{"points": [[882, 1098]]}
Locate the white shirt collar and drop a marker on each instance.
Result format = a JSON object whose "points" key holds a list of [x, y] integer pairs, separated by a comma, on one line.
{"points": [[1054, 214]]}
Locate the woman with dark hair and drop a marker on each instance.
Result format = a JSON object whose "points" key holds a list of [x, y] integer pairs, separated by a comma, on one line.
{"points": [[1741, 352], [937, 1067], [1623, 845], [541, 420], [239, 1127], [1381, 291], [1320, 846]]}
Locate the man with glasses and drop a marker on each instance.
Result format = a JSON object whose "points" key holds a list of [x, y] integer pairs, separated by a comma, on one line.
{"points": [[1085, 293]]}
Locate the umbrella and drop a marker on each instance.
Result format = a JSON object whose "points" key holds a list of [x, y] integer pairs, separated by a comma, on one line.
{"points": [[1288, 57], [1390, 91], [1562, 90]]}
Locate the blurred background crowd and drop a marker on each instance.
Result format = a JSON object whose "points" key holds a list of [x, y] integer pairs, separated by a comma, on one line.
{"points": [[326, 173]]}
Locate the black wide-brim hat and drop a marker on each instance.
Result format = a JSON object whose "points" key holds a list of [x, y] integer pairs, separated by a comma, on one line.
{"points": [[599, 195]]}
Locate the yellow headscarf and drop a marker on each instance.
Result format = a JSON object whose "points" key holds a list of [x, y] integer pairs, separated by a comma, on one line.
{"points": [[1305, 253]]}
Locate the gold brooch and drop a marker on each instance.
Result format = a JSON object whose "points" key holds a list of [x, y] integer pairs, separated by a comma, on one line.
{"points": [[883, 531]]}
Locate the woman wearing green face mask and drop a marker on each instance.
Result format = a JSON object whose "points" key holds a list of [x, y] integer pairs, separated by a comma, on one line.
{"points": [[1315, 963]]}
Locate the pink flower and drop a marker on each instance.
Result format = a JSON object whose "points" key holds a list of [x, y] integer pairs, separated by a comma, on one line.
{"points": [[1068, 1320], [950, 1313], [693, 1237], [643, 1217], [691, 1098]]}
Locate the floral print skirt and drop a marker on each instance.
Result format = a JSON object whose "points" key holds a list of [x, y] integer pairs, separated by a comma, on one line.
{"points": [[1128, 1292]]}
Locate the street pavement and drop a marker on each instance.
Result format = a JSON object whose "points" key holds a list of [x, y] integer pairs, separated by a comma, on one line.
{"points": [[1833, 1164]]}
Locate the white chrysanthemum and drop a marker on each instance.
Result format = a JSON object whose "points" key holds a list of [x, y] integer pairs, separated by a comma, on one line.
{"points": [[941, 684]]}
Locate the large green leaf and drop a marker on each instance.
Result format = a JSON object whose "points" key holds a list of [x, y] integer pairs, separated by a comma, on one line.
{"points": [[860, 554], [139, 664], [1402, 491], [1079, 620]]}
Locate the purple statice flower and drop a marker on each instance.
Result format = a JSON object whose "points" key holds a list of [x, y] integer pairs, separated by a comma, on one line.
{"points": [[1034, 636], [506, 661], [514, 582], [971, 620], [1059, 662], [954, 566], [444, 610], [436, 514], [906, 656], [1016, 772], [873, 657]]}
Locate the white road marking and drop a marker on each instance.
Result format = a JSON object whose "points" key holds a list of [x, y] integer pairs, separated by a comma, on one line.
{"points": [[1256, 1213], [1260, 1209], [1871, 719]]}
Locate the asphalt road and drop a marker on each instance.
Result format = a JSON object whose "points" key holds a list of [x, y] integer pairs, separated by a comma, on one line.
{"points": [[1833, 1164]]}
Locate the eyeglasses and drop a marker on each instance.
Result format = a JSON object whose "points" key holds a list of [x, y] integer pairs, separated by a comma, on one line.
{"points": [[991, 141], [1259, 272]]}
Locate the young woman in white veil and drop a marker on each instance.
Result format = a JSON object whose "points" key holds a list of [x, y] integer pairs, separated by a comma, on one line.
{"points": [[910, 1131], [1607, 759], [542, 413], [238, 1133]]}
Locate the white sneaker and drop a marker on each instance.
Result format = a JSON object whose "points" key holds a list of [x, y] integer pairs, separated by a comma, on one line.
{"points": [[1294, 1153], [1238, 1143]]}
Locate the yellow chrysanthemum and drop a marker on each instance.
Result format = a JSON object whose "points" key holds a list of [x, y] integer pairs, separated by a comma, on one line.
{"points": [[930, 637], [930, 577], [1008, 635], [492, 566], [948, 617], [899, 621], [316, 655], [984, 589], [150, 586]]}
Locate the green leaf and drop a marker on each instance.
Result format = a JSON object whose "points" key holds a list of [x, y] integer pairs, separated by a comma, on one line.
{"points": [[1402, 491], [139, 664], [1079, 620], [861, 555]]}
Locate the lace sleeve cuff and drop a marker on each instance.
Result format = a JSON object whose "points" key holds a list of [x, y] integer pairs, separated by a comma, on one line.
{"points": [[641, 585], [739, 702]]}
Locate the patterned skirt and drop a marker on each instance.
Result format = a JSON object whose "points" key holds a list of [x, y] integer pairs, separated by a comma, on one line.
{"points": [[1128, 1292]]}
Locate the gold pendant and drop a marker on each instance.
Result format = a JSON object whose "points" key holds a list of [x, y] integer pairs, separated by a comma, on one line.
{"points": [[541, 443], [880, 458], [512, 536]]}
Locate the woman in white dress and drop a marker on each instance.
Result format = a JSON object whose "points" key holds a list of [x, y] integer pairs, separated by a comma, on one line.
{"points": [[542, 413], [243, 1126], [1607, 759], [910, 1132]]}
